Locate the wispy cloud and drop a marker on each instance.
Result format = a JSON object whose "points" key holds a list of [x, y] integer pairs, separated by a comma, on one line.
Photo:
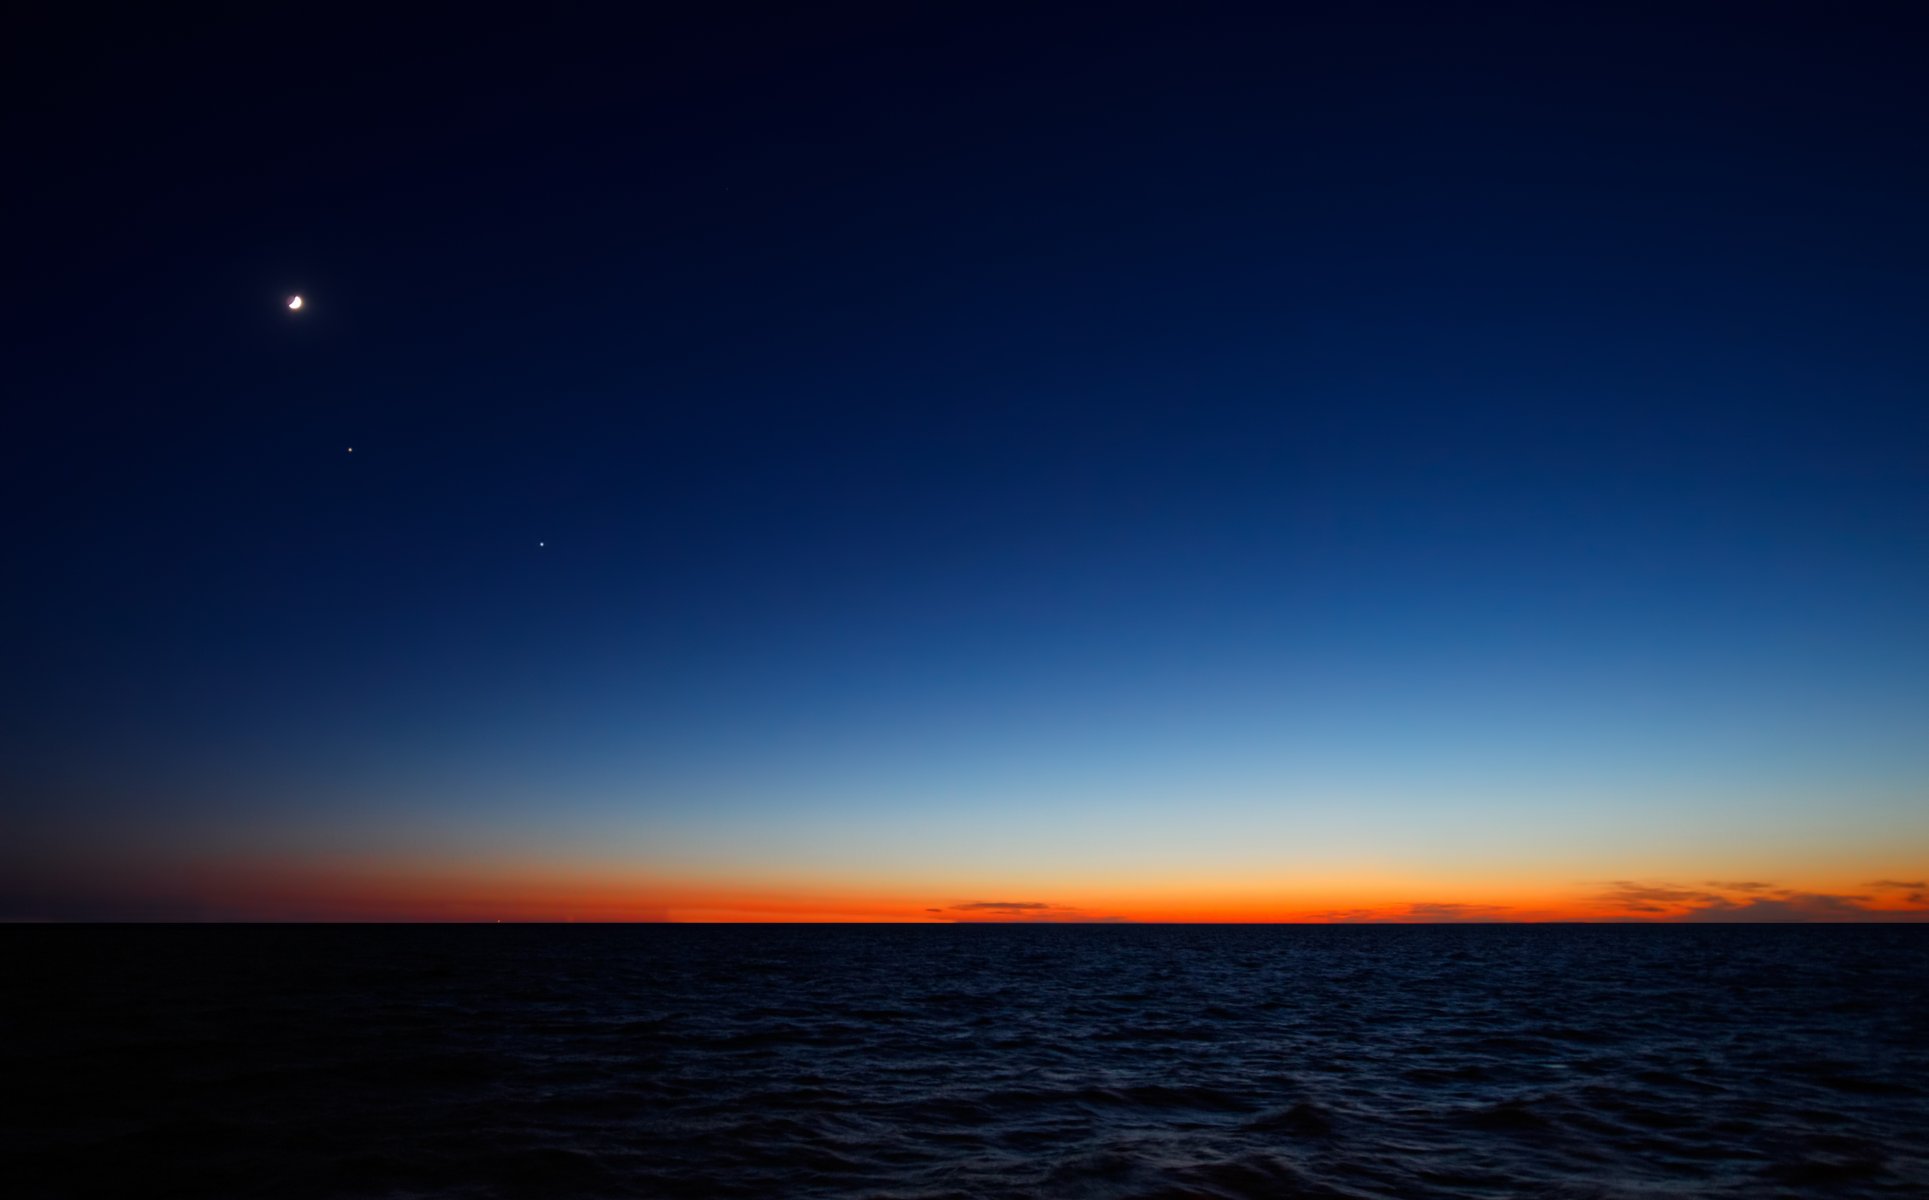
{"points": [[1026, 910], [1755, 901], [1418, 912]]}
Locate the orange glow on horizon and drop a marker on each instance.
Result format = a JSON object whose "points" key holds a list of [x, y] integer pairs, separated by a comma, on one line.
{"points": [[394, 891]]}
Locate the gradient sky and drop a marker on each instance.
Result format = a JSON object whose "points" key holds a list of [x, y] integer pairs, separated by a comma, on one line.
{"points": [[967, 462]]}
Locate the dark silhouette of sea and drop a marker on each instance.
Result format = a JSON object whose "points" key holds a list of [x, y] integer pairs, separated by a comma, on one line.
{"points": [[953, 1061]]}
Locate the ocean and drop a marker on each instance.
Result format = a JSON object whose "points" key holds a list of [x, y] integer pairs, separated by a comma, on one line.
{"points": [[914, 1063]]}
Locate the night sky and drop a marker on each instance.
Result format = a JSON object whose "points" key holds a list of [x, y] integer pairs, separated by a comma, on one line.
{"points": [[968, 462]]}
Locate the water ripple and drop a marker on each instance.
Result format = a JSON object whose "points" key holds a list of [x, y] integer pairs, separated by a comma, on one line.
{"points": [[917, 1064]]}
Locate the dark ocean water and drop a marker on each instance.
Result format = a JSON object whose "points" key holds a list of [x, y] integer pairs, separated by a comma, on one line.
{"points": [[965, 1061]]}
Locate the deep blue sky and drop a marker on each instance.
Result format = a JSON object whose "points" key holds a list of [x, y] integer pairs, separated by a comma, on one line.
{"points": [[1069, 417]]}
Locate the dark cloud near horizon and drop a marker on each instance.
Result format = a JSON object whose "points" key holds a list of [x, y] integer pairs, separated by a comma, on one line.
{"points": [[1915, 891], [1433, 911], [1630, 893], [1346, 914], [1001, 906], [1796, 907]]}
